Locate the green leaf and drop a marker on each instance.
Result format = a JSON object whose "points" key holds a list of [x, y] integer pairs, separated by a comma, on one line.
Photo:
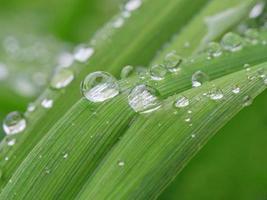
{"points": [[157, 147]]}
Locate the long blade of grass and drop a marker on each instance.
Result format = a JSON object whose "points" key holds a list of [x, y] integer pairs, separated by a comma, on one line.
{"points": [[157, 147]]}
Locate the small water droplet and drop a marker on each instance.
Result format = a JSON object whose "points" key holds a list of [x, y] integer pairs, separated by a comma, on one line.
{"points": [[118, 22], [216, 94], [14, 123], [214, 49], [265, 81], [182, 102], [127, 71], [172, 61], [11, 142], [31, 107], [65, 155], [187, 119], [231, 42], [198, 78], [157, 72], [247, 101], [82, 54], [121, 163], [65, 59], [47, 103], [193, 136], [3, 72], [99, 86], [143, 99], [6, 158], [257, 10], [236, 89], [132, 5], [47, 170], [62, 79]]}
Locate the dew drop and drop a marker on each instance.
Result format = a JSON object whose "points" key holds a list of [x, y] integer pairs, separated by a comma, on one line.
{"points": [[143, 99], [216, 94], [236, 89], [247, 101], [3, 72], [127, 71], [31, 107], [198, 78], [47, 103], [11, 142], [182, 102], [118, 22], [132, 5], [82, 54], [99, 86], [14, 123], [193, 136], [214, 49], [265, 81], [172, 61], [257, 10], [65, 60], [121, 163], [62, 79], [231, 42], [157, 72], [65, 155]]}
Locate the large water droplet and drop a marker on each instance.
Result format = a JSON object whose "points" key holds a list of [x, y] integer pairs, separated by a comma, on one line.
{"points": [[157, 72], [198, 78], [99, 86], [182, 102], [143, 99], [62, 79], [127, 71], [231, 42], [82, 54], [47, 103], [14, 123], [172, 61], [214, 49]]}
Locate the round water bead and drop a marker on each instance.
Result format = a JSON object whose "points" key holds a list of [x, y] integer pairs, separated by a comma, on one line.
{"points": [[172, 61], [143, 99], [198, 78], [181, 102], [14, 123], [157, 72], [62, 79], [82, 54], [214, 49], [99, 86], [216, 94], [47, 103], [247, 101], [231, 42]]}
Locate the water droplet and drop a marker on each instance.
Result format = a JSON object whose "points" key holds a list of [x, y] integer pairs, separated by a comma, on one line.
{"points": [[118, 22], [31, 107], [247, 101], [3, 72], [157, 72], [121, 163], [62, 79], [187, 119], [47, 103], [257, 10], [214, 49], [65, 59], [172, 61], [265, 81], [198, 78], [216, 94], [232, 42], [11, 142], [82, 54], [252, 35], [193, 136], [182, 102], [132, 5], [127, 71], [143, 99], [99, 86], [6, 158], [14, 123], [236, 89], [47, 170], [65, 155]]}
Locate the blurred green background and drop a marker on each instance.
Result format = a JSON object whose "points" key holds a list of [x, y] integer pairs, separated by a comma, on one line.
{"points": [[232, 165]]}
